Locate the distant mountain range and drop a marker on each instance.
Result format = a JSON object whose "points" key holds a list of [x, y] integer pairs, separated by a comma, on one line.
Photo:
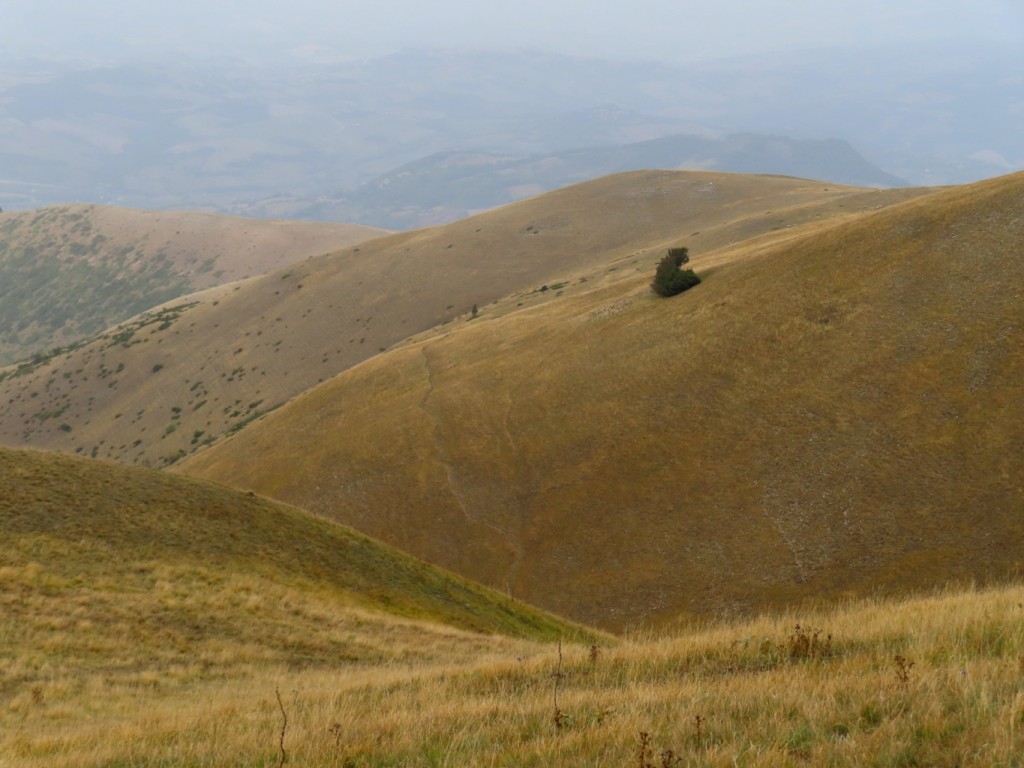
{"points": [[321, 140], [452, 185]]}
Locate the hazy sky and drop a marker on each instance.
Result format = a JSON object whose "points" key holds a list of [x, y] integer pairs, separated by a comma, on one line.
{"points": [[667, 30]]}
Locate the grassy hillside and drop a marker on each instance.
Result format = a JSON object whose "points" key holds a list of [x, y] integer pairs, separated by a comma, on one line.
{"points": [[124, 588], [114, 534], [69, 272], [929, 682], [836, 413], [163, 385]]}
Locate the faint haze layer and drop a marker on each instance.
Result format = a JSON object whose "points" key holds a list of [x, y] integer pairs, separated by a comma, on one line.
{"points": [[658, 30], [356, 110]]}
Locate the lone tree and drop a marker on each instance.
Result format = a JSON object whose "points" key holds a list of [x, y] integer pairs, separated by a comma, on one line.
{"points": [[670, 279]]}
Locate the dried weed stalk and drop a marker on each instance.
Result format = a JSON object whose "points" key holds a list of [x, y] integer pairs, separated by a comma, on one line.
{"points": [[903, 667], [560, 718], [284, 728], [809, 643]]}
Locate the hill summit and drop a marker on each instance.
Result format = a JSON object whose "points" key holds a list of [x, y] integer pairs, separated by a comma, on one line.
{"points": [[166, 383], [834, 413]]}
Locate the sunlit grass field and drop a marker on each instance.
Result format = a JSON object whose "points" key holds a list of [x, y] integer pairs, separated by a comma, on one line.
{"points": [[926, 682], [151, 620], [128, 597]]}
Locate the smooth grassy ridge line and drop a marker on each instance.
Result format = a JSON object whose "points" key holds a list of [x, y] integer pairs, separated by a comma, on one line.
{"points": [[129, 596], [75, 526], [151, 393], [928, 682]]}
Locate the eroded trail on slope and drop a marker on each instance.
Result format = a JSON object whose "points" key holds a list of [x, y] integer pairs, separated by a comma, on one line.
{"points": [[461, 490]]}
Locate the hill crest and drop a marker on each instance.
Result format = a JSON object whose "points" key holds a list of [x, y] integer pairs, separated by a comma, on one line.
{"points": [[74, 516], [832, 413], [163, 385]]}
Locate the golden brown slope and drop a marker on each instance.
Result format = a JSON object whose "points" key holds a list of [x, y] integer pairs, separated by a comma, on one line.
{"points": [[69, 272], [78, 528], [841, 413], [159, 387], [127, 596]]}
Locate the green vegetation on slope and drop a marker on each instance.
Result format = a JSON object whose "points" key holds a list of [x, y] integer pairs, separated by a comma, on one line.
{"points": [[669, 278], [839, 412], [69, 272], [47, 299]]}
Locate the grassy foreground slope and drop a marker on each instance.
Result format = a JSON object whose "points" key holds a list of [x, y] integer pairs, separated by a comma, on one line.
{"points": [[160, 386], [127, 595], [928, 682], [837, 413], [151, 547], [68, 272]]}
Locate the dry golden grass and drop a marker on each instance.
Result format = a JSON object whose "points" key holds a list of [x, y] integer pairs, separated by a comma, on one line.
{"points": [[129, 597], [132, 534], [927, 682], [831, 413], [153, 391]]}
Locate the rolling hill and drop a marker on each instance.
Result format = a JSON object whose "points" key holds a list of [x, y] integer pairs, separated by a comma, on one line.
{"points": [[169, 382], [130, 595], [69, 272], [149, 620], [80, 526], [830, 413]]}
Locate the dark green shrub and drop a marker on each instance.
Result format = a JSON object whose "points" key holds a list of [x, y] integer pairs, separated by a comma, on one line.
{"points": [[669, 278]]}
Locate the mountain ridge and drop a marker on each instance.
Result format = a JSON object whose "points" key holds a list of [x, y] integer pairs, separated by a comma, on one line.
{"points": [[451, 185], [167, 383], [829, 414], [221, 134]]}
